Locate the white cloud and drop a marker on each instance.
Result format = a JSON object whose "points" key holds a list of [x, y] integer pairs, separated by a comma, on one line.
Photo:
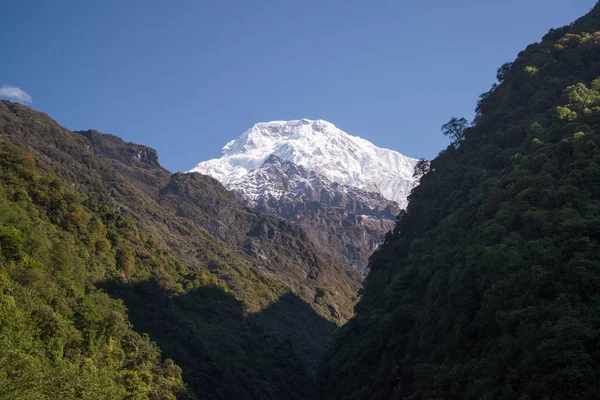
{"points": [[14, 93]]}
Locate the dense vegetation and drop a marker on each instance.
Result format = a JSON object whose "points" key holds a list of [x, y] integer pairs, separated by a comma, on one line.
{"points": [[101, 284], [489, 286], [60, 337], [119, 280]]}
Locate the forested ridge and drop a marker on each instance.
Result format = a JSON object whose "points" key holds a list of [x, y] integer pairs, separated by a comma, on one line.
{"points": [[111, 290], [61, 337], [489, 285]]}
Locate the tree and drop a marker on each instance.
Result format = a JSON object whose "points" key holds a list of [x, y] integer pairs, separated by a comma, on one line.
{"points": [[482, 98], [11, 243], [421, 168], [455, 129], [582, 96], [582, 100], [502, 71]]}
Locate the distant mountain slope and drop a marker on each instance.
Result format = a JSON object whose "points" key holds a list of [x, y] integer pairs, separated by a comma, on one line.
{"points": [[488, 286], [342, 189], [271, 244], [233, 305]]}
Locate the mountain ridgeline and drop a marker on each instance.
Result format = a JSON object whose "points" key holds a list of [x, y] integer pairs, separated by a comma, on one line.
{"points": [[488, 287], [119, 279]]}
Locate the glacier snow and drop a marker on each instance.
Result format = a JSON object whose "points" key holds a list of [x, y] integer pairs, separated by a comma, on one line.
{"points": [[318, 146]]}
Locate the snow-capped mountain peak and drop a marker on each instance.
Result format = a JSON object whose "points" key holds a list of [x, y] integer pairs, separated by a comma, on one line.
{"points": [[320, 147]]}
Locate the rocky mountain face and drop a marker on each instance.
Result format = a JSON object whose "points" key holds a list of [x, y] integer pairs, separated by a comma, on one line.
{"points": [[342, 189]]}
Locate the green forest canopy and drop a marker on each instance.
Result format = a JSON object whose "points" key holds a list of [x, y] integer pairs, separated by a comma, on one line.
{"points": [[488, 287]]}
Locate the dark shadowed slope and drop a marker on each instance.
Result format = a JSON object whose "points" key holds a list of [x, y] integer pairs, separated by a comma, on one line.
{"points": [[206, 332], [489, 286]]}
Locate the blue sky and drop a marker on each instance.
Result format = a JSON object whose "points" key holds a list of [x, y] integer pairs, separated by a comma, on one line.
{"points": [[185, 77]]}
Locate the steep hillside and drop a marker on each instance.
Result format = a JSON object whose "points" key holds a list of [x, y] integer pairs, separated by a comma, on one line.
{"points": [[488, 286], [61, 337], [272, 245], [223, 291]]}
